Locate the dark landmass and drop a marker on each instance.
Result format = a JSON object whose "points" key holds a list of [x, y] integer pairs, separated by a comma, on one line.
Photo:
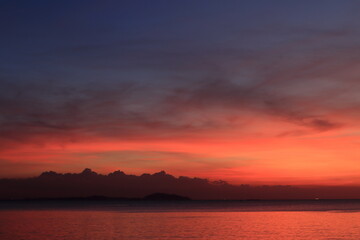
{"points": [[151, 197], [121, 186], [165, 197]]}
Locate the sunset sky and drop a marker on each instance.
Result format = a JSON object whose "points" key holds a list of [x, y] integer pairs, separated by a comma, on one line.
{"points": [[253, 92]]}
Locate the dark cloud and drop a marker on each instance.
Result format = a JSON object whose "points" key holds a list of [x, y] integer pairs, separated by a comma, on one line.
{"points": [[120, 110], [322, 125], [225, 94], [69, 114], [147, 78]]}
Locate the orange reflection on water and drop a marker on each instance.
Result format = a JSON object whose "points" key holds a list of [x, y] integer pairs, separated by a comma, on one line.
{"points": [[76, 225]]}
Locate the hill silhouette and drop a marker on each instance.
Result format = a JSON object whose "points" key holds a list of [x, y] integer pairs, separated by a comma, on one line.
{"points": [[120, 185], [165, 197]]}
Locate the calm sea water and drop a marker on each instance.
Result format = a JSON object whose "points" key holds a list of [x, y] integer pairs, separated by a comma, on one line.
{"points": [[176, 221]]}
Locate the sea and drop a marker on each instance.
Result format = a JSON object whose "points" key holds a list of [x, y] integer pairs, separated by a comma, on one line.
{"points": [[190, 220]]}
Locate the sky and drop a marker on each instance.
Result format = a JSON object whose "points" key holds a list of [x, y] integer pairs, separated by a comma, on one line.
{"points": [[250, 92]]}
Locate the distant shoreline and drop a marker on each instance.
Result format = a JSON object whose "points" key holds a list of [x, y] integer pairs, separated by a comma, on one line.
{"points": [[115, 199]]}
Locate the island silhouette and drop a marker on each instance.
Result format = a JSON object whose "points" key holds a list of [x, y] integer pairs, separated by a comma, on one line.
{"points": [[157, 186]]}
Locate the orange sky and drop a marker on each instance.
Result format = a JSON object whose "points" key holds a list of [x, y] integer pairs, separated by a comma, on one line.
{"points": [[251, 156]]}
